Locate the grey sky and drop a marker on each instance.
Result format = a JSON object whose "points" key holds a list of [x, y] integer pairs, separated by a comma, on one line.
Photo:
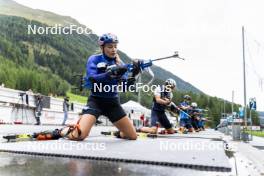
{"points": [[206, 32]]}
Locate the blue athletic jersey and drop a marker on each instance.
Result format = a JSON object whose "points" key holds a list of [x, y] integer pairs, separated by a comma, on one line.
{"points": [[99, 76], [182, 114]]}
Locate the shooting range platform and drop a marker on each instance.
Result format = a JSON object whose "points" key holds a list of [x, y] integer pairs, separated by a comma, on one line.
{"points": [[201, 151]]}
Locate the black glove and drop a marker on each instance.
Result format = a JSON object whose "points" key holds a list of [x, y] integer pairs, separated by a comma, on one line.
{"points": [[131, 81], [173, 107], [136, 67], [116, 71]]}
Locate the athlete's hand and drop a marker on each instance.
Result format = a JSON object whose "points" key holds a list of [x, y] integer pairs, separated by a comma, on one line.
{"points": [[116, 71], [186, 107], [167, 101], [136, 67]]}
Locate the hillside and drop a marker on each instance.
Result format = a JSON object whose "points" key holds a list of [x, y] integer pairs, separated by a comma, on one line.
{"points": [[71, 50], [10, 7]]}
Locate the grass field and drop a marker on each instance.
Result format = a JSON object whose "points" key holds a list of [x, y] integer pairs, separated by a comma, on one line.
{"points": [[76, 98], [257, 133]]}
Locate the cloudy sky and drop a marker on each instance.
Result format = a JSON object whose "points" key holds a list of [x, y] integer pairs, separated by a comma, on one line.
{"points": [[206, 32]]}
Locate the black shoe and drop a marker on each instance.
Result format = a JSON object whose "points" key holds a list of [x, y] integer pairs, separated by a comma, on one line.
{"points": [[98, 122], [138, 130]]}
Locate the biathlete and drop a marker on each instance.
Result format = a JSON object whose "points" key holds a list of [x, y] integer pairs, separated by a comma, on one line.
{"points": [[106, 70], [161, 100], [185, 118]]}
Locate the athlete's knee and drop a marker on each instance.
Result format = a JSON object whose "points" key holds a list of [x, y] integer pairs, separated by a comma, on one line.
{"points": [[79, 138], [73, 132], [130, 136], [133, 136]]}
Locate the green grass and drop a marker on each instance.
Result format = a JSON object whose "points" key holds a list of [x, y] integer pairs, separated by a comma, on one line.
{"points": [[76, 98], [257, 133]]}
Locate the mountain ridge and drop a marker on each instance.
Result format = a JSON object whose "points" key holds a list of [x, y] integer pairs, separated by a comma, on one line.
{"points": [[53, 18]]}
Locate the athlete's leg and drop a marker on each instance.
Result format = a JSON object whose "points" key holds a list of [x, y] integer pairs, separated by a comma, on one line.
{"points": [[154, 120], [189, 125], [152, 130], [127, 130], [182, 125], [164, 121], [81, 130]]}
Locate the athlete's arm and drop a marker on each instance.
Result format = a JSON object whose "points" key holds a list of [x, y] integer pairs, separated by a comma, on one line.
{"points": [[91, 70], [162, 101]]}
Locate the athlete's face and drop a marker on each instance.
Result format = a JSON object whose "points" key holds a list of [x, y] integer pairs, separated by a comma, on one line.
{"points": [[187, 100], [110, 49], [169, 88]]}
